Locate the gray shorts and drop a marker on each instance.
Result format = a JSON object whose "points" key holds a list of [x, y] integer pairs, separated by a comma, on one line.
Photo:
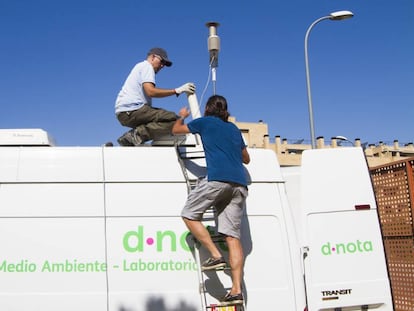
{"points": [[229, 200]]}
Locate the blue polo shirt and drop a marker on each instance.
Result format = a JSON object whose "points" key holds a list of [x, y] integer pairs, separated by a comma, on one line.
{"points": [[223, 145]]}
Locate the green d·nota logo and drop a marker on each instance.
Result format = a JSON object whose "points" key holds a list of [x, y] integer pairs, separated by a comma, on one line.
{"points": [[346, 248], [137, 241]]}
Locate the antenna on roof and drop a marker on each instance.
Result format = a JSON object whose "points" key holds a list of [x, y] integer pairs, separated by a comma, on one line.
{"points": [[213, 43]]}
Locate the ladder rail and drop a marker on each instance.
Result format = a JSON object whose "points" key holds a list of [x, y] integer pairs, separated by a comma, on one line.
{"points": [[183, 168], [201, 284]]}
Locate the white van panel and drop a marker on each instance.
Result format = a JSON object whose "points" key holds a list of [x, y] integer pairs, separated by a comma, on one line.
{"points": [[130, 213], [351, 260], [336, 180], [268, 252], [9, 161], [149, 261], [145, 199], [153, 249], [265, 275], [345, 261], [30, 249], [145, 164], [292, 177], [259, 170], [348, 247], [128, 164], [62, 302], [51, 199], [58, 164]]}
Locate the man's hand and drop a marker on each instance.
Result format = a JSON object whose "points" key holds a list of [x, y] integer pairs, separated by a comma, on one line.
{"points": [[184, 112], [179, 127], [189, 88]]}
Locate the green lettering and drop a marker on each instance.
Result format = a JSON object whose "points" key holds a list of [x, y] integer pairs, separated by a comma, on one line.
{"points": [[183, 241], [137, 239], [172, 237], [351, 247], [326, 249], [340, 248], [368, 246]]}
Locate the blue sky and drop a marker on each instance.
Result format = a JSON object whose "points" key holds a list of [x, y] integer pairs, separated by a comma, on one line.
{"points": [[62, 64]]}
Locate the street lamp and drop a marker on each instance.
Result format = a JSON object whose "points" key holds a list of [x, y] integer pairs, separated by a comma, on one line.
{"points": [[335, 16], [343, 138]]}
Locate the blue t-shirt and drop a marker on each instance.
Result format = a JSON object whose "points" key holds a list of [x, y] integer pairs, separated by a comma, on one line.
{"points": [[223, 145]]}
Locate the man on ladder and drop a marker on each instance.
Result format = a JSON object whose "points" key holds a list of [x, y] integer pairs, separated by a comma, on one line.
{"points": [[225, 188]]}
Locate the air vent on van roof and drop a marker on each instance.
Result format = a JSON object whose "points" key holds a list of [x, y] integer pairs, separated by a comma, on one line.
{"points": [[25, 137]]}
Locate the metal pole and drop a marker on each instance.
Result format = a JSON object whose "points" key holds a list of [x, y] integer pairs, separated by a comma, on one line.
{"points": [[213, 78], [312, 127]]}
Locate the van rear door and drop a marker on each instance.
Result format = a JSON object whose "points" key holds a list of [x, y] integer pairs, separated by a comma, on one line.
{"points": [[344, 261]]}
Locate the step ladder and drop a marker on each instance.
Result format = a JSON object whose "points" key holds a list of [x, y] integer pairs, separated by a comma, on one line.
{"points": [[191, 156], [185, 156], [209, 218]]}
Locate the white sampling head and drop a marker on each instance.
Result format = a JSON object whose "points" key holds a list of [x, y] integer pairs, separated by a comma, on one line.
{"points": [[213, 43]]}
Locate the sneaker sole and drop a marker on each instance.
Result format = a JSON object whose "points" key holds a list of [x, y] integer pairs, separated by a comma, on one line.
{"points": [[123, 141], [215, 267]]}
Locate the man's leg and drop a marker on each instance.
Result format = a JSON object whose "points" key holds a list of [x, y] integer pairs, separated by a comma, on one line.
{"points": [[133, 119], [151, 122], [199, 200], [236, 260], [203, 236], [229, 224], [162, 123]]}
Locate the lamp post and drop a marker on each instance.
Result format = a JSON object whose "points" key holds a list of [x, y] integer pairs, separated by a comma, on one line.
{"points": [[343, 138], [335, 16]]}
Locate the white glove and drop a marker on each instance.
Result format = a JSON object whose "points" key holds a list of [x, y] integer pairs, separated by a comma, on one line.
{"points": [[189, 88]]}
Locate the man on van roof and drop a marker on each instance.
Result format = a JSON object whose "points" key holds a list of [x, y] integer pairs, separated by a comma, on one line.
{"points": [[133, 105], [225, 188]]}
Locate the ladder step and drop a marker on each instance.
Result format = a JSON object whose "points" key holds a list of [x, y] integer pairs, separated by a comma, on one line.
{"points": [[209, 215], [214, 307], [215, 238], [225, 268], [192, 157]]}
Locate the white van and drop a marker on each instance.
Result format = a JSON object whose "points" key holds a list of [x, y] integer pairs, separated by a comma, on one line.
{"points": [[99, 229]]}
